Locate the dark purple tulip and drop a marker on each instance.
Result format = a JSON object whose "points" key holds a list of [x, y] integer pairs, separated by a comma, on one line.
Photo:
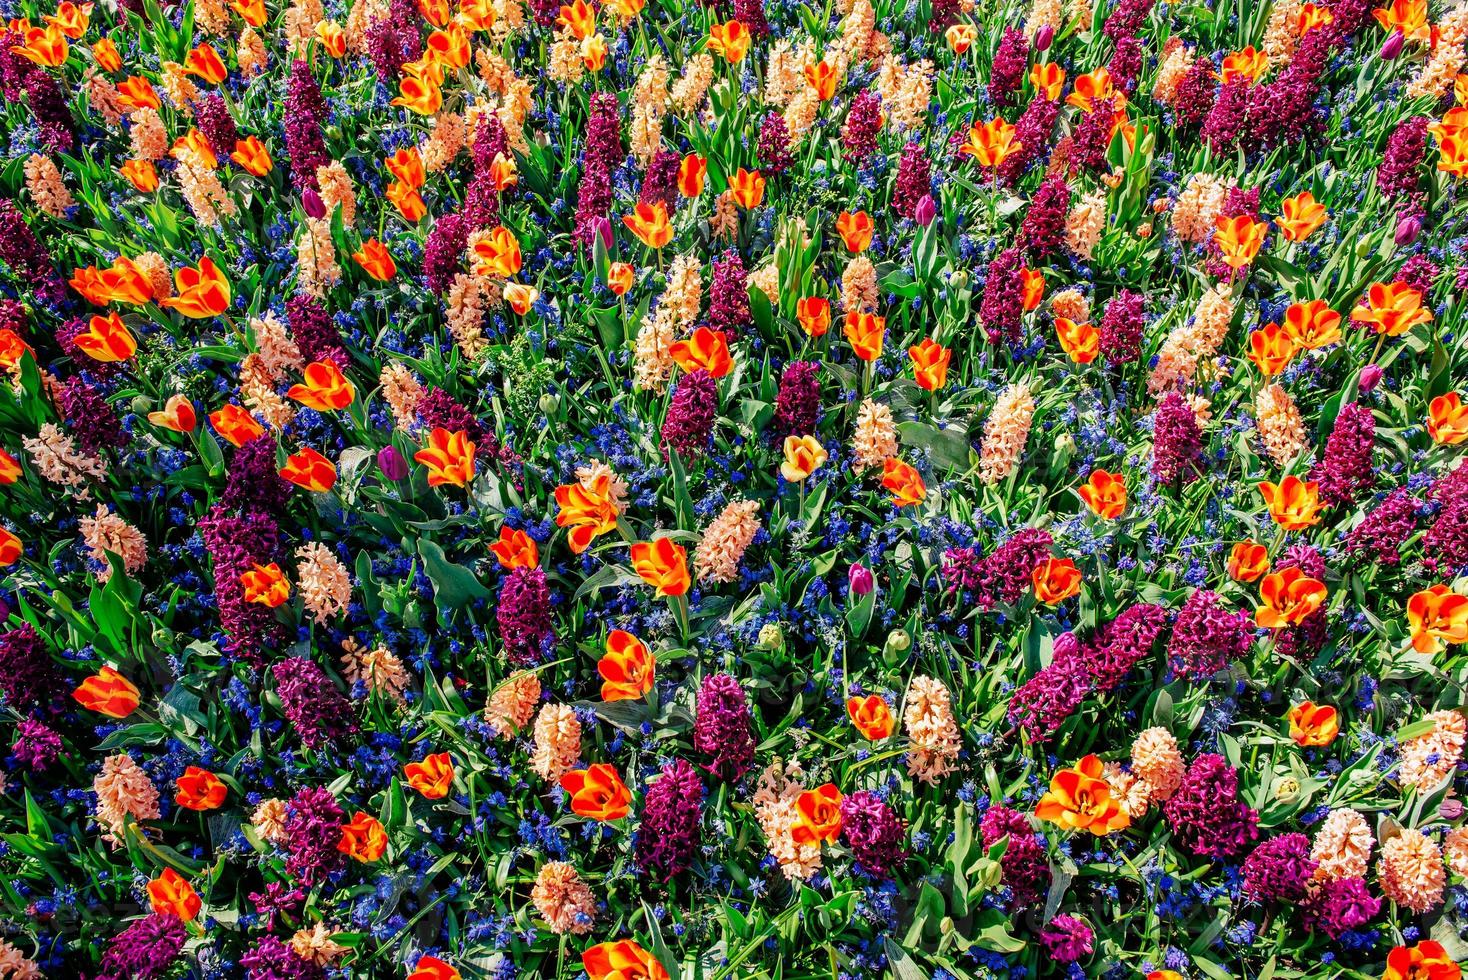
{"points": [[859, 578], [926, 210], [1408, 229], [391, 463], [1043, 37], [312, 203], [1370, 378], [1393, 46]]}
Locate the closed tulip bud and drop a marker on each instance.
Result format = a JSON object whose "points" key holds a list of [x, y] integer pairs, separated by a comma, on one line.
{"points": [[1043, 37], [602, 225], [391, 463], [899, 641], [859, 578], [312, 204], [1408, 229], [1370, 378], [926, 210], [1450, 810], [1393, 46], [771, 637], [549, 404]]}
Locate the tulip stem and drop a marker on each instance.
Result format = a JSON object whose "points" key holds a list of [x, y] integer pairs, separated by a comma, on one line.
{"points": [[680, 612]]}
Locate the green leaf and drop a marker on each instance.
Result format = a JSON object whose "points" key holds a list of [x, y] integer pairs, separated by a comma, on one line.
{"points": [[453, 585]]}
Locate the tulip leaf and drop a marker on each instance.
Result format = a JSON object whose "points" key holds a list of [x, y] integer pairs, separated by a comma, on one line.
{"points": [[454, 585]]}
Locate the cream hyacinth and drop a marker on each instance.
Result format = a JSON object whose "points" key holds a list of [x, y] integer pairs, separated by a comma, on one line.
{"points": [[378, 670], [1158, 762], [1197, 206], [1428, 759], [774, 807], [1006, 431], [557, 742], [123, 790], [326, 587], [512, 705], [725, 540], [1085, 223], [563, 900], [1281, 429], [43, 183], [875, 439], [55, 456], [1342, 846], [1411, 871], [932, 733], [104, 531]]}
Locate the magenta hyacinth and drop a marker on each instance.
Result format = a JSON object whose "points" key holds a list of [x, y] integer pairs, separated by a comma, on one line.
{"points": [[145, 950], [1011, 61], [1385, 529], [1279, 869], [525, 616], [305, 110], [872, 832], [1032, 130], [863, 120], [1043, 703], [914, 179], [1344, 472], [1024, 866], [774, 144], [1339, 905], [1121, 644], [1194, 100], [668, 835], [694, 408], [1121, 328], [1207, 636], [1001, 310], [1401, 164], [237, 544], [313, 829], [273, 959], [798, 404], [37, 745], [1067, 939], [437, 409], [1043, 230], [28, 675], [314, 331], [729, 297], [722, 730], [1177, 445], [1206, 815], [315, 708]]}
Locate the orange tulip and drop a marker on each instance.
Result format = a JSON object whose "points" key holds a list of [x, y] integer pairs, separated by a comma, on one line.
{"points": [[44, 46], [729, 40], [620, 276], [1313, 725], [1104, 493], [818, 815], [706, 350], [626, 10], [9, 469], [904, 482], [12, 348], [1093, 87], [515, 549], [109, 693], [408, 201], [502, 173], [1460, 89], [1245, 65], [930, 364], [1311, 16], [332, 38], [1080, 799], [992, 143], [436, 12], [1293, 503], [662, 564], [194, 147], [141, 174], [497, 254], [235, 425], [1055, 580], [1081, 341], [1271, 349], [1048, 80], [579, 17], [691, 173], [449, 457], [621, 960], [449, 46], [363, 839], [1288, 599], [1032, 288], [594, 53], [135, 93], [597, 793], [202, 292], [814, 314], [252, 156], [107, 340], [419, 95], [104, 53], [375, 260], [864, 331], [171, 894], [407, 166], [265, 584], [1238, 238], [588, 512], [747, 188], [70, 19], [1392, 309], [627, 669], [252, 11], [1453, 123], [121, 282], [1248, 561], [433, 777], [1436, 616], [521, 297], [477, 15], [1312, 324], [325, 388], [803, 456], [1447, 419], [310, 470], [199, 789], [855, 231], [961, 37], [433, 968], [649, 222], [1300, 216], [204, 62], [1407, 16], [10, 548], [1427, 960], [822, 79], [872, 716]]}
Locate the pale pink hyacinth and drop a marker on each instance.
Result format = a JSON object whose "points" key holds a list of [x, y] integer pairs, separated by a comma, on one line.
{"points": [[257, 392], [1193, 342], [1280, 34], [1455, 850], [725, 541], [1084, 224], [1427, 760], [1200, 202], [250, 53], [1177, 61], [468, 301], [1006, 431], [337, 191], [148, 135], [15, 965], [774, 807], [689, 90], [1342, 846], [557, 742], [859, 286], [1281, 429], [1411, 872], [123, 790], [379, 670], [43, 182], [315, 945], [268, 818], [932, 732], [1435, 78], [104, 531], [316, 266], [1157, 761], [55, 456], [326, 586], [875, 439], [512, 705], [1133, 792], [563, 900], [402, 391], [1072, 304]]}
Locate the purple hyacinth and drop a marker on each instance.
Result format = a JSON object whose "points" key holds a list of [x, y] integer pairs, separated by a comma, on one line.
{"points": [[51, 111], [944, 15], [1121, 644], [751, 13], [1419, 272], [526, 622], [1177, 445], [1207, 637], [694, 408], [1339, 905], [37, 745], [729, 296], [144, 950], [90, 417], [1228, 116], [661, 183], [863, 120], [1042, 704], [1005, 575], [316, 709], [1032, 131], [237, 544], [437, 409], [254, 478], [1024, 868], [1279, 869], [1345, 471], [1399, 171], [1206, 815], [1042, 232], [28, 675], [272, 959], [217, 125], [914, 180], [1011, 61], [443, 251], [314, 331], [602, 156], [1126, 63], [1126, 19], [1385, 529], [773, 148], [1283, 111], [313, 828], [668, 835], [1002, 308], [1067, 939], [798, 405], [723, 731], [1091, 138], [1120, 331], [305, 110], [396, 39], [873, 833], [1193, 102], [962, 568]]}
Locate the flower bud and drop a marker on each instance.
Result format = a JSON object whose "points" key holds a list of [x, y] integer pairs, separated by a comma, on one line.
{"points": [[602, 226], [1450, 809], [859, 578], [549, 404], [926, 210], [1408, 228], [1044, 36], [1393, 46], [391, 463], [1370, 378], [312, 204], [771, 637], [898, 641]]}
